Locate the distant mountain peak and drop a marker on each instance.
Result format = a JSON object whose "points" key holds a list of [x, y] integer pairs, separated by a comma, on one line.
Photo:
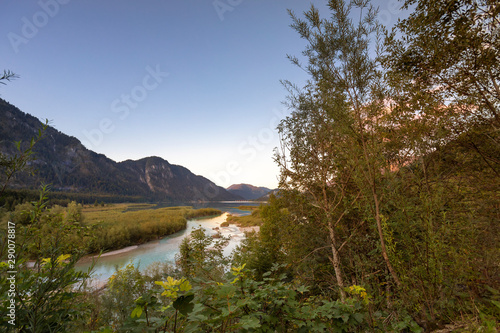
{"points": [[247, 191]]}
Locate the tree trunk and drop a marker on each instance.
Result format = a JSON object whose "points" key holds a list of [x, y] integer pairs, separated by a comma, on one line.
{"points": [[336, 262], [382, 241]]}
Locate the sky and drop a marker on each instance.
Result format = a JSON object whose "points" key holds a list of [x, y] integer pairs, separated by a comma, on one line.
{"points": [[196, 82]]}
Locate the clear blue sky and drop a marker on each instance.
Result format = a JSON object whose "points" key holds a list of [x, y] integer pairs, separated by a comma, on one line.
{"points": [[195, 82]]}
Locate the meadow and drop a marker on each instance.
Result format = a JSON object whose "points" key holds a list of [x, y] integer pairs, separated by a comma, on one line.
{"points": [[119, 225]]}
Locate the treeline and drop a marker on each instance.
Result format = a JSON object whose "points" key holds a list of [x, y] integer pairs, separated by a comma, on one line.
{"points": [[11, 198]]}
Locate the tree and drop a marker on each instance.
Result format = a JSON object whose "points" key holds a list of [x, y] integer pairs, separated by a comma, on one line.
{"points": [[451, 50], [445, 75], [19, 162], [201, 256], [331, 145], [442, 65], [10, 165]]}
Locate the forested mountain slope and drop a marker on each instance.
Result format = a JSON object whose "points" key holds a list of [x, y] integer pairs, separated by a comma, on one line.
{"points": [[63, 162]]}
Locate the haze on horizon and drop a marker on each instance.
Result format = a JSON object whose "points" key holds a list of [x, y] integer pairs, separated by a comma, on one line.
{"points": [[197, 85]]}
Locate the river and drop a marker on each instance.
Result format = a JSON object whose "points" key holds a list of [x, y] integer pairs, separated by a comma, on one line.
{"points": [[165, 249]]}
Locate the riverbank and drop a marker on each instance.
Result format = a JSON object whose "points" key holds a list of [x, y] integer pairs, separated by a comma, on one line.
{"points": [[165, 248], [160, 250], [115, 227], [247, 220], [250, 229]]}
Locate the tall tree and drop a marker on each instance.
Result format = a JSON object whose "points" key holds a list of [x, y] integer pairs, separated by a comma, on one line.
{"points": [[331, 146], [312, 164], [443, 68]]}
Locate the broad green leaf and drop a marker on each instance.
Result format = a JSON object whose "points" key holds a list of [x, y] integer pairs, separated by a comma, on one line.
{"points": [[185, 286], [359, 317], [249, 322], [137, 312], [183, 304], [302, 289]]}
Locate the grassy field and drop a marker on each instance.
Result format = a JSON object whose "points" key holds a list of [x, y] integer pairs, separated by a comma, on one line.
{"points": [[250, 208], [251, 220], [130, 213], [116, 226]]}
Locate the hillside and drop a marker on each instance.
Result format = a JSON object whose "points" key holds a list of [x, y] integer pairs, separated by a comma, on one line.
{"points": [[247, 191], [266, 196], [67, 165]]}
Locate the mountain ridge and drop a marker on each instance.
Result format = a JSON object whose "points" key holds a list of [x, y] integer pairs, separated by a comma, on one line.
{"points": [[69, 166], [248, 192]]}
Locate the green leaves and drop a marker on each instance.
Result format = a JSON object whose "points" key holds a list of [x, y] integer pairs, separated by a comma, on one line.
{"points": [[240, 303], [226, 290], [184, 304], [46, 294], [172, 287], [137, 312], [302, 289], [449, 51], [249, 322]]}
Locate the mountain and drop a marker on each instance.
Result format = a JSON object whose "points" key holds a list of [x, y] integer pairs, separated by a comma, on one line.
{"points": [[266, 196], [247, 191], [67, 165]]}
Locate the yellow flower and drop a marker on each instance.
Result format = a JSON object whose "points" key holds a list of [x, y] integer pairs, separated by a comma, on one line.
{"points": [[358, 290]]}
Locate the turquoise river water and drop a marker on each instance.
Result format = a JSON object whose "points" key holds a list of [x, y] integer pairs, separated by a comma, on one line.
{"points": [[165, 249]]}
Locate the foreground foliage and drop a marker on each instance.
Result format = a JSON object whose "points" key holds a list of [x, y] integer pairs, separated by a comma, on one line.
{"points": [[389, 162], [45, 295], [232, 300]]}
